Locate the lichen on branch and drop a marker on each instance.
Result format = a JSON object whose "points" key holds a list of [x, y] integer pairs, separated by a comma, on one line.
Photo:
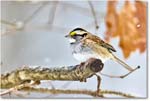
{"points": [[70, 73]]}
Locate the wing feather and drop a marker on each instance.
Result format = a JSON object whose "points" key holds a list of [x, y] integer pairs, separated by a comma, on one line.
{"points": [[91, 40]]}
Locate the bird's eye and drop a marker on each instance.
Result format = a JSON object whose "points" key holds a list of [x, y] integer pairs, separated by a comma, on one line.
{"points": [[73, 33]]}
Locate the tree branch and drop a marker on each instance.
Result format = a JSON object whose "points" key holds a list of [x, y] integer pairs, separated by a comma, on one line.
{"points": [[52, 13], [26, 84], [28, 19], [85, 92], [71, 73], [8, 23], [94, 15], [21, 79]]}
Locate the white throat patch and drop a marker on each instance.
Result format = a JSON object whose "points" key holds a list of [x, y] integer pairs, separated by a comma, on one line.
{"points": [[71, 40]]}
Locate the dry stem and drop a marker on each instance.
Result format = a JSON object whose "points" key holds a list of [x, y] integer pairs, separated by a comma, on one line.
{"points": [[85, 92]]}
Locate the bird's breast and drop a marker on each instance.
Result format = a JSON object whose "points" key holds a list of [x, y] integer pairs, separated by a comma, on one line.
{"points": [[82, 53]]}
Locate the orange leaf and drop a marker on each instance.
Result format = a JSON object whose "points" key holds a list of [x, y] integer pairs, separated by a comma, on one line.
{"points": [[129, 24]]}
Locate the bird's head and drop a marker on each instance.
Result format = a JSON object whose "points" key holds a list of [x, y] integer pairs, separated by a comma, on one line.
{"points": [[76, 35]]}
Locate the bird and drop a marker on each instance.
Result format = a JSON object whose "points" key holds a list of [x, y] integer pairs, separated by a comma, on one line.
{"points": [[86, 45]]}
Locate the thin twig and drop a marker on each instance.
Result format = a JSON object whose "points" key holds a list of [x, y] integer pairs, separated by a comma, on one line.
{"points": [[8, 23], [52, 14], [94, 15], [35, 12], [117, 93], [98, 82], [85, 92], [81, 9], [28, 19], [17, 88], [120, 76]]}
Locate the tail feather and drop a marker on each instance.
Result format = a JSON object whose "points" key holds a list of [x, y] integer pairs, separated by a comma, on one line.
{"points": [[122, 63]]}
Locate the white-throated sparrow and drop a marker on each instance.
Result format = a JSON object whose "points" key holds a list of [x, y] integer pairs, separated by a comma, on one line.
{"points": [[86, 45]]}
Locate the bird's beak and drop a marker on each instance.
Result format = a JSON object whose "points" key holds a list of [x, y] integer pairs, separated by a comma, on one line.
{"points": [[67, 36], [71, 40]]}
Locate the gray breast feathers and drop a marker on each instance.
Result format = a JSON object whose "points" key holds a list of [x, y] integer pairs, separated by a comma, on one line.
{"points": [[80, 48]]}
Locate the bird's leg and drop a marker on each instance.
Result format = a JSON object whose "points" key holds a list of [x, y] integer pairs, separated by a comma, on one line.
{"points": [[121, 76]]}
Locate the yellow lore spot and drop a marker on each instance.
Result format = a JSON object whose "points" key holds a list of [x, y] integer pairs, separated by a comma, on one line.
{"points": [[72, 33]]}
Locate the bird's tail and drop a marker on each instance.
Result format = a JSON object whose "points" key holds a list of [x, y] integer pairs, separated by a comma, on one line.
{"points": [[122, 63]]}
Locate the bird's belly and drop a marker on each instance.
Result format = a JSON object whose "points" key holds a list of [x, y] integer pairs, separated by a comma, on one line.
{"points": [[85, 56]]}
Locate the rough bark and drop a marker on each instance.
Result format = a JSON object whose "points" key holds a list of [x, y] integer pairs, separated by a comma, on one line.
{"points": [[69, 73]]}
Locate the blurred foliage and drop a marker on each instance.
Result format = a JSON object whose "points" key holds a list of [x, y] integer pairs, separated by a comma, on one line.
{"points": [[129, 24]]}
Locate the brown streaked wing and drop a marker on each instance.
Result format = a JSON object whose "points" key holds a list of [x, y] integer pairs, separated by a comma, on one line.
{"points": [[92, 39]]}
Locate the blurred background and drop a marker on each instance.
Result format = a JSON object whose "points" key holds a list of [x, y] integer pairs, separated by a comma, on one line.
{"points": [[32, 33]]}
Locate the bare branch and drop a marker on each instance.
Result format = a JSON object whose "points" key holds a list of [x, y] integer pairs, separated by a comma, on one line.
{"points": [[21, 79], [120, 76], [18, 87], [71, 73], [8, 23], [35, 12], [52, 13], [94, 15], [85, 92]]}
